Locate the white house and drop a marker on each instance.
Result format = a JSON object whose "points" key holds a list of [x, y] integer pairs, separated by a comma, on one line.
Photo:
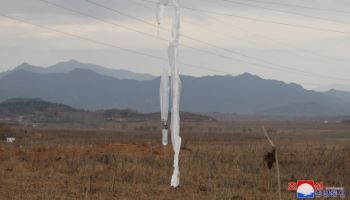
{"points": [[10, 139]]}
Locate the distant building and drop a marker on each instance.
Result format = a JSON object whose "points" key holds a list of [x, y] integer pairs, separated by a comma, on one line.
{"points": [[10, 139]]}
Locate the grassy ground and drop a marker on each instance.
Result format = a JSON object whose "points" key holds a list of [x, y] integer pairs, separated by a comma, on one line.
{"points": [[218, 161]]}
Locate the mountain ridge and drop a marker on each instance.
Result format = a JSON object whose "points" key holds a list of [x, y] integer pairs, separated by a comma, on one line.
{"points": [[243, 94], [70, 65], [345, 95]]}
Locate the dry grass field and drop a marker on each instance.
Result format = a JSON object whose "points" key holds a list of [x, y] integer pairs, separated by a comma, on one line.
{"points": [[219, 160]]}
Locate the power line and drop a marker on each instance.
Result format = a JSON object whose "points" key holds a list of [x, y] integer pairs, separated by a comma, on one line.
{"points": [[259, 35], [122, 13], [280, 67], [300, 6], [82, 38], [194, 39], [162, 28], [271, 63], [283, 67], [266, 21], [259, 20], [144, 54], [286, 12], [102, 20], [106, 44], [155, 37], [330, 59], [135, 30], [265, 37]]}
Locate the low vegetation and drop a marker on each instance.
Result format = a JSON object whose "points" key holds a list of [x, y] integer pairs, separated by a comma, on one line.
{"points": [[218, 161]]}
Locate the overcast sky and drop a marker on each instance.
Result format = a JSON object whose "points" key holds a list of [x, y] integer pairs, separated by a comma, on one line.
{"points": [[313, 58]]}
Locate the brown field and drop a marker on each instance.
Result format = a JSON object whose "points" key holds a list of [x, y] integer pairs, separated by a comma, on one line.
{"points": [[219, 160]]}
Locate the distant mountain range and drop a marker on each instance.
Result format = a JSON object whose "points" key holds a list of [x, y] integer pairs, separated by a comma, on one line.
{"points": [[65, 67], [344, 95], [244, 94]]}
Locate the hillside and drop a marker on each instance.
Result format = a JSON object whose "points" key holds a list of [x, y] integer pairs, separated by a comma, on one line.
{"points": [[344, 95], [40, 111], [243, 94], [22, 107]]}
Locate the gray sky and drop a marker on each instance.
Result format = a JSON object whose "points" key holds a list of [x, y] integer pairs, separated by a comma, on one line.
{"points": [[319, 57]]}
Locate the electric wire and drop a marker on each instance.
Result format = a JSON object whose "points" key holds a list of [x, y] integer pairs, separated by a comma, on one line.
{"points": [[108, 44], [279, 67], [149, 55], [159, 38], [259, 20], [300, 6], [264, 37], [286, 12]]}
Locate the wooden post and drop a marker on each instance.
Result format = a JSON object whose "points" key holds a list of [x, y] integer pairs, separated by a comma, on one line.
{"points": [[277, 165]]}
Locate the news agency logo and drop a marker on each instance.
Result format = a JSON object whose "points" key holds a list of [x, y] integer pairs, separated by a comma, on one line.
{"points": [[308, 189], [305, 189]]}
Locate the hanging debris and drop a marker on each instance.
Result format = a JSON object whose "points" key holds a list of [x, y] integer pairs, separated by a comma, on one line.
{"points": [[160, 10], [270, 158], [164, 105], [164, 96], [175, 83], [165, 135]]}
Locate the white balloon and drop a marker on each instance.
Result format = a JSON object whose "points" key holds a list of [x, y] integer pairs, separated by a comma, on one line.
{"points": [[175, 84]]}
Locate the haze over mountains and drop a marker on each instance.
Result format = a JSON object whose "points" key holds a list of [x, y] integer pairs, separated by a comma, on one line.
{"points": [[90, 86], [65, 67], [344, 95]]}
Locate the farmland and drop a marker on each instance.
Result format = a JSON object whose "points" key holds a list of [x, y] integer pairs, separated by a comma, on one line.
{"points": [[218, 160]]}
